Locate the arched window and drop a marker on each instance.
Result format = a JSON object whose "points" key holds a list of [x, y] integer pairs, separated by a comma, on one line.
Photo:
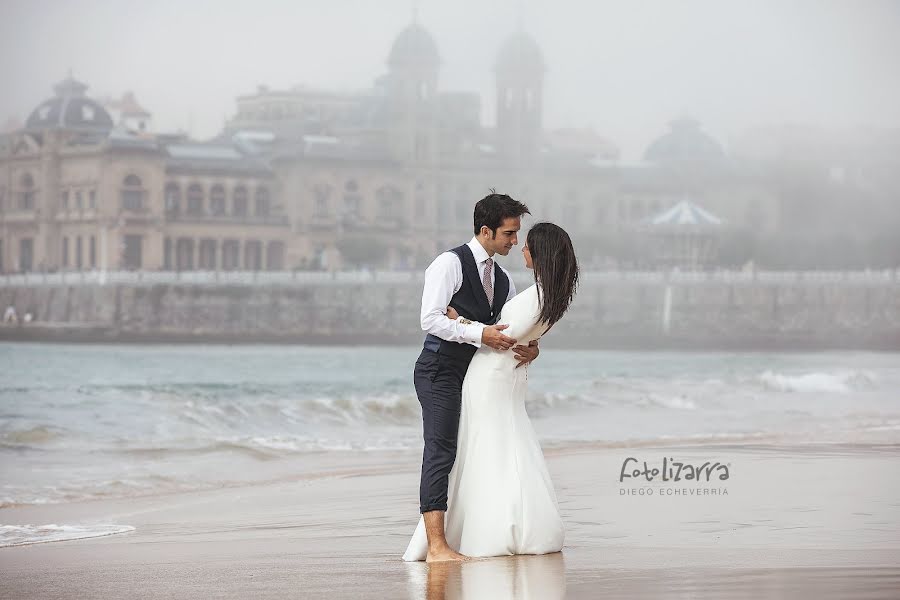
{"points": [[261, 208], [195, 200], [27, 193], [217, 200], [173, 199], [239, 208], [132, 193]]}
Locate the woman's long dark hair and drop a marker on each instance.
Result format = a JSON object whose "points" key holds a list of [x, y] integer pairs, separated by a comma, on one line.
{"points": [[555, 270]]}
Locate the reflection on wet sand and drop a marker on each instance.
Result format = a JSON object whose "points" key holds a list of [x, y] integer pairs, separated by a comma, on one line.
{"points": [[514, 577]]}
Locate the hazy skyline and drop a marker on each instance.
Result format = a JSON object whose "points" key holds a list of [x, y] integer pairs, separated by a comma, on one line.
{"points": [[624, 69]]}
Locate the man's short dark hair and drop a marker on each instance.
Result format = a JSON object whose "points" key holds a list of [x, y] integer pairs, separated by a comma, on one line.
{"points": [[494, 208]]}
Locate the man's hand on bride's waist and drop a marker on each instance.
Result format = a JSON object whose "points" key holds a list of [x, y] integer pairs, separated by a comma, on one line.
{"points": [[492, 337], [526, 354]]}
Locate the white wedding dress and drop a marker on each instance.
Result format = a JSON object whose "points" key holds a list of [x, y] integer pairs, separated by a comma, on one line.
{"points": [[501, 500]]}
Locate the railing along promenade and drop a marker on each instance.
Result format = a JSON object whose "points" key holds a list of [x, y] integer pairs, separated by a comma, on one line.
{"points": [[886, 277]]}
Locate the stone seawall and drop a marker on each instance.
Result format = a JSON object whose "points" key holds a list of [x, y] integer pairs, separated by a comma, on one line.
{"points": [[606, 314]]}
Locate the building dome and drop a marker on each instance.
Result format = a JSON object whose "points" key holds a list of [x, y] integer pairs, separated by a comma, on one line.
{"points": [[70, 109], [520, 53], [414, 45], [684, 141]]}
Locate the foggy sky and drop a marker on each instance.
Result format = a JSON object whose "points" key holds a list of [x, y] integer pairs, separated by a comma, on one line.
{"points": [[624, 68]]}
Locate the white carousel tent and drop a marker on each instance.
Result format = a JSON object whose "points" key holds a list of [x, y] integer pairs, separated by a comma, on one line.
{"points": [[685, 235]]}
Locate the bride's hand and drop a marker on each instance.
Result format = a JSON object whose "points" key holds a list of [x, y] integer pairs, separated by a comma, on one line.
{"points": [[452, 314]]}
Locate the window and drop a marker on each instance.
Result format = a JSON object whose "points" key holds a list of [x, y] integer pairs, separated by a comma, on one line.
{"points": [[389, 200], [184, 254], [65, 252], [572, 209], [420, 151], [217, 201], [173, 199], [240, 202], [167, 254], [420, 200], [275, 256], [131, 254], [352, 199], [321, 194], [231, 253], [78, 263], [27, 193], [26, 254], [262, 202], [252, 255], [444, 206], [92, 199], [64, 200], [79, 200], [207, 258], [464, 210], [93, 252], [195, 200], [132, 193]]}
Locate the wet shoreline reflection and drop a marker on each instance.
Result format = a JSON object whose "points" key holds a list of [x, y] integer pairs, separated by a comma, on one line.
{"points": [[515, 577]]}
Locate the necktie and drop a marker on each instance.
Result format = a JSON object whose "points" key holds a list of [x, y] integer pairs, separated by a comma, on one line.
{"points": [[486, 281]]}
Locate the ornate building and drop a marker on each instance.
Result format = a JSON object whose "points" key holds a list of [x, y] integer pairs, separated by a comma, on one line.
{"points": [[307, 178]]}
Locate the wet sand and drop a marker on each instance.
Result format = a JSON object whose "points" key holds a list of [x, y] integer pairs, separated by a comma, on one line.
{"points": [[796, 521]]}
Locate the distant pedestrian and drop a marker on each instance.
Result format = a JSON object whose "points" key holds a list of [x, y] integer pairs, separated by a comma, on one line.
{"points": [[10, 315]]}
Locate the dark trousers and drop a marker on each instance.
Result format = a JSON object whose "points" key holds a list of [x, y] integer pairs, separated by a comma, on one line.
{"points": [[438, 380]]}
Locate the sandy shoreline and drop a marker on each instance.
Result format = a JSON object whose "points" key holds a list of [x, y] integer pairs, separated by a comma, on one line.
{"points": [[813, 520]]}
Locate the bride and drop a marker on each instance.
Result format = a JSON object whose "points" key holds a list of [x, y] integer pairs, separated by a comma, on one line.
{"points": [[501, 499]]}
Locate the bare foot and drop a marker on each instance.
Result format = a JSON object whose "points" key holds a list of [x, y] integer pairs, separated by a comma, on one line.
{"points": [[447, 554]]}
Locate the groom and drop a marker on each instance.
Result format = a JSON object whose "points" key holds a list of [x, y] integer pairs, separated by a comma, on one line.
{"points": [[466, 279]]}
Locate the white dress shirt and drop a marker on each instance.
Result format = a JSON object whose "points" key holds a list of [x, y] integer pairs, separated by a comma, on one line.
{"points": [[443, 278]]}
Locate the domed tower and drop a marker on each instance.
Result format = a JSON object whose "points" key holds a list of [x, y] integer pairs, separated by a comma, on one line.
{"points": [[520, 78], [70, 110], [411, 87], [684, 142], [67, 120]]}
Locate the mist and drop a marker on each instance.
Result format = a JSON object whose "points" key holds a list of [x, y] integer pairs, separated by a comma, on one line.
{"points": [[624, 69]]}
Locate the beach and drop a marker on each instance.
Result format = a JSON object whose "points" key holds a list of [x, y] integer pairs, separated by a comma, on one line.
{"points": [[291, 471], [812, 521]]}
